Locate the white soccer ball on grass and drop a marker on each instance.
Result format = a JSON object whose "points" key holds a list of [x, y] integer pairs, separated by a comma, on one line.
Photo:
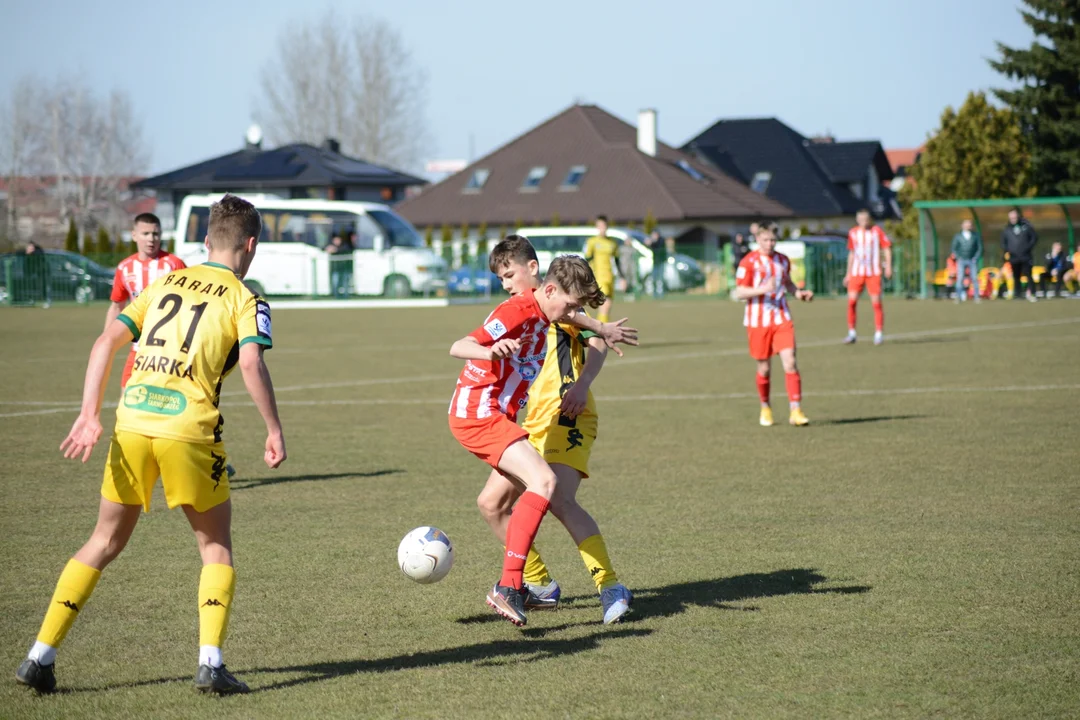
{"points": [[425, 555]]}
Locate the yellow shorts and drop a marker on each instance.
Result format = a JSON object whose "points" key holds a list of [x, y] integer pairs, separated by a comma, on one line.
{"points": [[607, 286], [191, 474], [569, 446]]}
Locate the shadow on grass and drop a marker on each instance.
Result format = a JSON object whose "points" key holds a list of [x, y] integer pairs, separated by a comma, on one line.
{"points": [[873, 419], [675, 599], [278, 479]]}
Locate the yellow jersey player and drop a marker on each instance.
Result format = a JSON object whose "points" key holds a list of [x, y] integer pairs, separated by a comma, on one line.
{"points": [[562, 424], [194, 326], [600, 252]]}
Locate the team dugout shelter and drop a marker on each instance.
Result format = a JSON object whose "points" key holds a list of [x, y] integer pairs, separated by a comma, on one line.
{"points": [[1054, 220]]}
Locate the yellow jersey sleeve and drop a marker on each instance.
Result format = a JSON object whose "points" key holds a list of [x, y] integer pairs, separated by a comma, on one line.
{"points": [[134, 315], [253, 325], [590, 248]]}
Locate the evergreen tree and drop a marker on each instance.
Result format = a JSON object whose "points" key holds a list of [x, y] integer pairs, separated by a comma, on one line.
{"points": [[650, 222], [978, 152], [71, 241], [104, 243], [1048, 99]]}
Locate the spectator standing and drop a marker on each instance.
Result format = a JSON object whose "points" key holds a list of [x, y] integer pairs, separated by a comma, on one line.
{"points": [[341, 265], [628, 268], [1018, 241], [37, 273], [967, 246], [656, 243], [739, 247]]}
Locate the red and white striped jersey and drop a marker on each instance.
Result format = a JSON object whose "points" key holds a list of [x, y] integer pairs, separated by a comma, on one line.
{"points": [[487, 387], [867, 245], [134, 275], [754, 271]]}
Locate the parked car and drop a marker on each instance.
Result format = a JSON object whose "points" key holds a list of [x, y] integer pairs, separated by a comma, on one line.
{"points": [[682, 272], [468, 279], [70, 277]]}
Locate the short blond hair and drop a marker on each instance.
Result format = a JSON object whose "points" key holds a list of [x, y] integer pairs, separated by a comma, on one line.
{"points": [[572, 274], [232, 221]]}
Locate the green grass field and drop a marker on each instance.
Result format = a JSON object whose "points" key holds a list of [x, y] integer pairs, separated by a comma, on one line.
{"points": [[913, 553]]}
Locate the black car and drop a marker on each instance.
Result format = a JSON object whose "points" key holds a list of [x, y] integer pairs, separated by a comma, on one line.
{"points": [[69, 276]]}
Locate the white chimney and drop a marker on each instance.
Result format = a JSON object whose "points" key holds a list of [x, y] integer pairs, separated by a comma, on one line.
{"points": [[646, 132]]}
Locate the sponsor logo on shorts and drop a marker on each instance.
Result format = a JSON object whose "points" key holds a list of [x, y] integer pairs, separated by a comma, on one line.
{"points": [[217, 469], [575, 437], [148, 398], [495, 329]]}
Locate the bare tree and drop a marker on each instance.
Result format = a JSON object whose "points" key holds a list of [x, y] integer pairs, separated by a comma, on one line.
{"points": [[93, 146], [20, 145], [354, 82]]}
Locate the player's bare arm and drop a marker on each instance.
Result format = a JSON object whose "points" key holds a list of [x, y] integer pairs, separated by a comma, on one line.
{"points": [[261, 388], [611, 332], [886, 268], [573, 402], [850, 263], [467, 348], [793, 289], [87, 428]]}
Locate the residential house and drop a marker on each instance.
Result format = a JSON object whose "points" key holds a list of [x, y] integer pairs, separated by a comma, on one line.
{"points": [[290, 171], [823, 181], [585, 162]]}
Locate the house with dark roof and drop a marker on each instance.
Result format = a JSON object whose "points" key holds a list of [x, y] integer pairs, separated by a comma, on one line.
{"points": [[290, 171], [820, 179], [585, 162]]}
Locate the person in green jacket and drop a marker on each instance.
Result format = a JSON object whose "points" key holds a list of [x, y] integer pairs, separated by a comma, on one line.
{"points": [[967, 247]]}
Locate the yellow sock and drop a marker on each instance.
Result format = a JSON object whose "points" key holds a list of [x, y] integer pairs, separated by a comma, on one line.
{"points": [[536, 572], [603, 317], [216, 586], [73, 589], [594, 552]]}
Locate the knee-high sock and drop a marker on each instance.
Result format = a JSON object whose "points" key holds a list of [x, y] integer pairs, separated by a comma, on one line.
{"points": [[73, 589], [851, 313], [794, 387], [536, 572], [524, 523], [216, 586], [879, 316], [593, 551], [763, 388]]}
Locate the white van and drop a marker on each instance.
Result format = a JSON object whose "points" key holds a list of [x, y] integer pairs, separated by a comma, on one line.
{"points": [[390, 257], [681, 272]]}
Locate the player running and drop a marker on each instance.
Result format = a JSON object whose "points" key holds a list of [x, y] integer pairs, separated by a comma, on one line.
{"points": [[503, 357], [561, 423], [869, 257], [196, 324], [763, 279], [600, 252]]}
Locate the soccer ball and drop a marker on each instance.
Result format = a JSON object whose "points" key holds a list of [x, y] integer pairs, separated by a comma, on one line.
{"points": [[425, 555]]}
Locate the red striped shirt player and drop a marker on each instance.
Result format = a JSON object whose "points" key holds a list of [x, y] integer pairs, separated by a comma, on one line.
{"points": [[763, 281], [503, 357], [869, 257], [138, 272]]}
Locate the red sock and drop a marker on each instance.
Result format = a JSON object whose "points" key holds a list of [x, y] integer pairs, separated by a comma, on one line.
{"points": [[794, 386], [879, 316], [851, 313], [524, 523], [763, 388]]}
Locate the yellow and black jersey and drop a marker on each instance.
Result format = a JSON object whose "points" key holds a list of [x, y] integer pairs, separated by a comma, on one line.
{"points": [[190, 325], [600, 253], [566, 349]]}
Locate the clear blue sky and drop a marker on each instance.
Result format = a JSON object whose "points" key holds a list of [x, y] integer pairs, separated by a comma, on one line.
{"points": [[860, 69]]}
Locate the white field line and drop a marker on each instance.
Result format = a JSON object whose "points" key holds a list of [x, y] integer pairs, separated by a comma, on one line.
{"points": [[74, 405]]}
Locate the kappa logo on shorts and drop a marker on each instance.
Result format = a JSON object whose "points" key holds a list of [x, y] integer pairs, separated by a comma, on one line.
{"points": [[217, 469], [575, 437]]}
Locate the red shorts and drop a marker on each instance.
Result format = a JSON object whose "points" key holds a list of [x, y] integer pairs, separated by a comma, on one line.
{"points": [[487, 438], [768, 341], [872, 284], [128, 366]]}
